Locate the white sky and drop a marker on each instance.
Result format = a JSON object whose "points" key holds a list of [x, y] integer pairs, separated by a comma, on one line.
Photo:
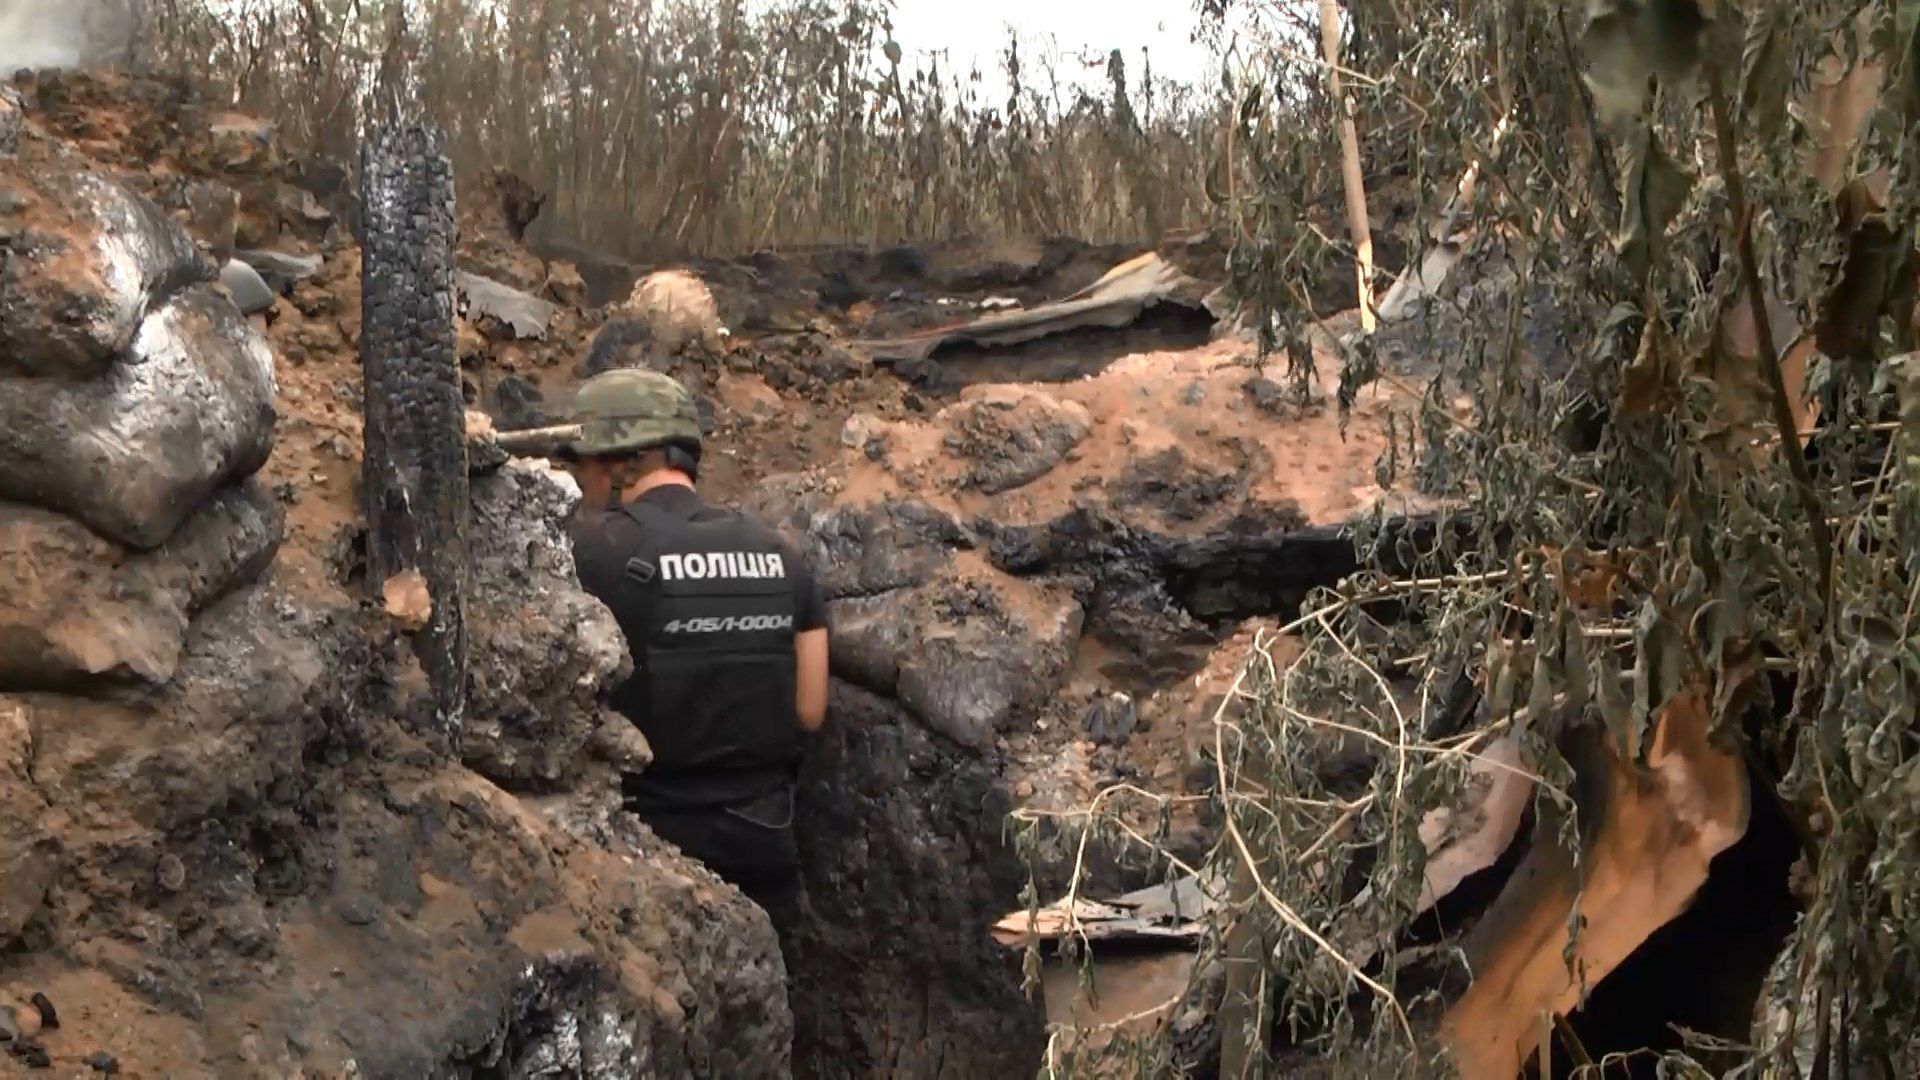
{"points": [[975, 31]]}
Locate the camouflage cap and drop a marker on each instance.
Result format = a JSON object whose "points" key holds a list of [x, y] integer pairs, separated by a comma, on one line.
{"points": [[631, 409]]}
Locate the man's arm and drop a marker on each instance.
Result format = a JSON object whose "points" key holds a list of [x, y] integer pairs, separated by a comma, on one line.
{"points": [[810, 678], [809, 645]]}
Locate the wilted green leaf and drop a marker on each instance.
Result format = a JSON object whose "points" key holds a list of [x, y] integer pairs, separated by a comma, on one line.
{"points": [[1615, 703], [1502, 681], [1647, 385], [1657, 189], [1573, 658], [1250, 107], [1540, 694], [1616, 69], [1663, 664], [1628, 42], [1903, 91], [1216, 180], [1766, 74], [1740, 684], [1714, 625]]}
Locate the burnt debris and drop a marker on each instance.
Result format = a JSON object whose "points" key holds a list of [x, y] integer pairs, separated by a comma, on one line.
{"points": [[415, 455]]}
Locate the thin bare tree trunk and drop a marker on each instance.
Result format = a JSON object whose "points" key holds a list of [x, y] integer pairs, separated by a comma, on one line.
{"points": [[1350, 165], [1243, 1039]]}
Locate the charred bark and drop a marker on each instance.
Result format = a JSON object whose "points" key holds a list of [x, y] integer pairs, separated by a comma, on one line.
{"points": [[415, 460]]}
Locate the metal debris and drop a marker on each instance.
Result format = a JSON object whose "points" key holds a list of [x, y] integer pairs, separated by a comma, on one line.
{"points": [[1176, 911], [523, 313], [1119, 298], [249, 290]]}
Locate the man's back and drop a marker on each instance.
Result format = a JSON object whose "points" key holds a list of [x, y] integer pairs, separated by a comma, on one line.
{"points": [[710, 601]]}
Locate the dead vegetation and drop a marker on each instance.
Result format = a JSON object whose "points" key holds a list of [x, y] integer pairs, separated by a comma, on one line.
{"points": [[1689, 638], [716, 128]]}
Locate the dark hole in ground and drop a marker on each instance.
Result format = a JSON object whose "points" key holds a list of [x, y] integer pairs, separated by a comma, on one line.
{"points": [[1703, 971], [1224, 578], [1125, 666], [1061, 357]]}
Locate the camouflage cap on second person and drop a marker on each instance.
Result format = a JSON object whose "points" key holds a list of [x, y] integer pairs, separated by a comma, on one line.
{"points": [[631, 409]]}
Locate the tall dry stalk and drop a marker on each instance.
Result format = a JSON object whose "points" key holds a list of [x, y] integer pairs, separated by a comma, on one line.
{"points": [[1351, 176], [664, 128]]}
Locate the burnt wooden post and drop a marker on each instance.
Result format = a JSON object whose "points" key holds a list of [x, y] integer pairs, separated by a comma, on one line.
{"points": [[415, 454]]}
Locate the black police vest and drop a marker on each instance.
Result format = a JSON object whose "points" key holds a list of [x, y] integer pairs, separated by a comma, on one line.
{"points": [[713, 685]]}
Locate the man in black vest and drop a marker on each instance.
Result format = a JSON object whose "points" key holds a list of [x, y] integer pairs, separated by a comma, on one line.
{"points": [[727, 628]]}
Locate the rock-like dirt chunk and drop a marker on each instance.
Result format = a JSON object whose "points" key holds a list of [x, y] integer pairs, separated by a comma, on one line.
{"points": [[1013, 436], [84, 261], [78, 607], [131, 454], [543, 650]]}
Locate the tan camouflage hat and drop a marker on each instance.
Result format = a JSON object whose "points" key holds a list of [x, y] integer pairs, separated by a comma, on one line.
{"points": [[631, 409]]}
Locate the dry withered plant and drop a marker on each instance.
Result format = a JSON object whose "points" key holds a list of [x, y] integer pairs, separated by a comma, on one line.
{"points": [[1679, 579], [671, 127]]}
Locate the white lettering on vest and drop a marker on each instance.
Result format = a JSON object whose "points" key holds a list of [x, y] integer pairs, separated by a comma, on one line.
{"points": [[729, 624], [721, 564]]}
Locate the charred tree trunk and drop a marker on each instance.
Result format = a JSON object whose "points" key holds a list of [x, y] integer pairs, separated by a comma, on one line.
{"points": [[415, 460]]}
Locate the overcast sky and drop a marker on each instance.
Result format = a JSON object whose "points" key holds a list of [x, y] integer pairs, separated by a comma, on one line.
{"points": [[976, 29]]}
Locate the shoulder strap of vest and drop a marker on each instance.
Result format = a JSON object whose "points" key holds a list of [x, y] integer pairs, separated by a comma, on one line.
{"points": [[650, 515], [657, 528]]}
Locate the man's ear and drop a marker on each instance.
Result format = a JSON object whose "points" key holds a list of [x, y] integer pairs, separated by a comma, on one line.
{"points": [[626, 470]]}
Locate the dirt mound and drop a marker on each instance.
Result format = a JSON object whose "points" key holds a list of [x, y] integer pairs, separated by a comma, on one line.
{"points": [[677, 308], [1193, 441], [1025, 569]]}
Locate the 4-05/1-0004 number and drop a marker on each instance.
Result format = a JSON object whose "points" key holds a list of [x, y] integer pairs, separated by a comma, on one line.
{"points": [[729, 623]]}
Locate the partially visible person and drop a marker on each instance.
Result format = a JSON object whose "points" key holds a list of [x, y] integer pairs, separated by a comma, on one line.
{"points": [[728, 632]]}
